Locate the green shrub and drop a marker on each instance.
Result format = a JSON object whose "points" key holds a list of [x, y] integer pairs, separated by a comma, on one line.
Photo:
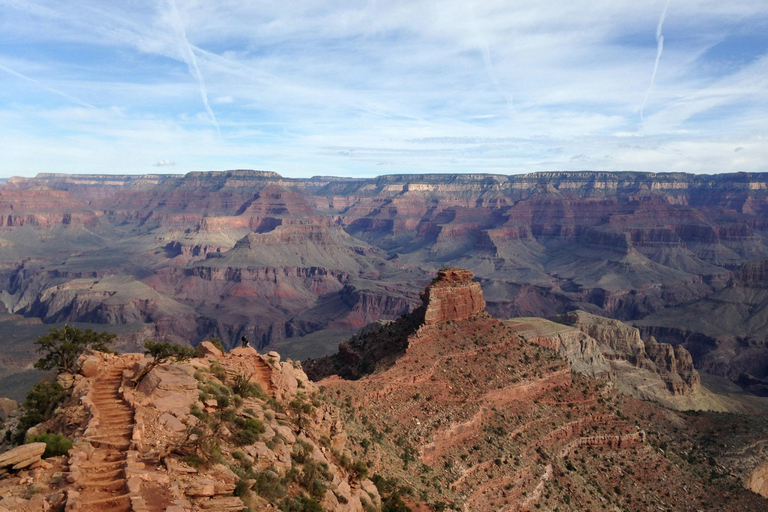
{"points": [[242, 386], [300, 504], [241, 488], [41, 401], [248, 431], [302, 452], [219, 372], [269, 485], [314, 477], [55, 444]]}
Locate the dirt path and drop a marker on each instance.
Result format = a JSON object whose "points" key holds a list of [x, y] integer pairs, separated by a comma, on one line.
{"points": [[103, 484]]}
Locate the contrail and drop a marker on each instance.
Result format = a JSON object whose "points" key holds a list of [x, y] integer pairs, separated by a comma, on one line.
{"points": [[189, 57], [47, 88], [485, 49], [659, 49]]}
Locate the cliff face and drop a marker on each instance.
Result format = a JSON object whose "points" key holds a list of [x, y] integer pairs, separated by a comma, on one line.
{"points": [[620, 245], [452, 296], [620, 341]]}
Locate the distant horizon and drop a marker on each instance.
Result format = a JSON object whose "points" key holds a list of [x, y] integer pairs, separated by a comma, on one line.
{"points": [[417, 86], [396, 174]]}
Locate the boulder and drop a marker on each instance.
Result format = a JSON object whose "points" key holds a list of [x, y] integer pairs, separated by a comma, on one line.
{"points": [[203, 487], [7, 407], [89, 367], [65, 380], [171, 422], [170, 388], [244, 352], [207, 350], [22, 456]]}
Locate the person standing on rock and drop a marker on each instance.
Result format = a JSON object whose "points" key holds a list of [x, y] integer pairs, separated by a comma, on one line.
{"points": [[245, 341]]}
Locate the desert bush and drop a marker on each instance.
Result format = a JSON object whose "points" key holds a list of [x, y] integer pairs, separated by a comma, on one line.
{"points": [[219, 372], [302, 452], [300, 504], [314, 477], [41, 401], [242, 386], [248, 431], [55, 444], [269, 485]]}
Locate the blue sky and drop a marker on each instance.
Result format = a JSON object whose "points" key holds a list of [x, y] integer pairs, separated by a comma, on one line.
{"points": [[373, 87]]}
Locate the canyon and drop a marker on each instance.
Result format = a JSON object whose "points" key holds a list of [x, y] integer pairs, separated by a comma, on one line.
{"points": [[299, 265], [469, 412], [444, 408]]}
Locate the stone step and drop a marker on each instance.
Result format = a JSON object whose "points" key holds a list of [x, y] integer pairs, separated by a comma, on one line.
{"points": [[101, 466], [94, 475], [121, 503], [102, 486], [117, 445]]}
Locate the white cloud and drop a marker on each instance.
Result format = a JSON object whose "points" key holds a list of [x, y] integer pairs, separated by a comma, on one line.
{"points": [[164, 163], [338, 87]]}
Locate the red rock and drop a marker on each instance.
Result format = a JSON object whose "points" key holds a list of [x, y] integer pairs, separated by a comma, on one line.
{"points": [[452, 296]]}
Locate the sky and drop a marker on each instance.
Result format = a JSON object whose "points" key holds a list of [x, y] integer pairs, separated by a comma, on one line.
{"points": [[366, 88]]}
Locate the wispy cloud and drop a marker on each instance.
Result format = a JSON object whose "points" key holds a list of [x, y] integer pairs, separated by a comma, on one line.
{"points": [[659, 49], [189, 57], [164, 163], [46, 87], [339, 87]]}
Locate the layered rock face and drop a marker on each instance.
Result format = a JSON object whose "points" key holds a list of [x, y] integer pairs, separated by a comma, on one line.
{"points": [[620, 341], [278, 256], [452, 296]]}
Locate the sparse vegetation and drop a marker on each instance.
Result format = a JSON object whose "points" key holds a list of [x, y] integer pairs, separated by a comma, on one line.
{"points": [[55, 444], [63, 346], [41, 401], [162, 353]]}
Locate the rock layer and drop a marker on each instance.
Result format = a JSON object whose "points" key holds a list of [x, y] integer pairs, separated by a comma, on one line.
{"points": [[452, 296]]}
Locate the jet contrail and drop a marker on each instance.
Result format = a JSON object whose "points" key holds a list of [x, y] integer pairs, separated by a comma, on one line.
{"points": [[47, 88], [189, 57], [659, 49]]}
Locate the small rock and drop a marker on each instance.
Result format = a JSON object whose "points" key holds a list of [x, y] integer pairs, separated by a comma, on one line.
{"points": [[65, 380], [172, 423], [201, 488]]}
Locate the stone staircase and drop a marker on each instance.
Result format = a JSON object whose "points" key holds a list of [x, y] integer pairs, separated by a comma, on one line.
{"points": [[102, 484]]}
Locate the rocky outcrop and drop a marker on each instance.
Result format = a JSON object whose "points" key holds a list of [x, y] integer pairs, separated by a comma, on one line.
{"points": [[619, 341], [583, 353], [21, 457], [452, 296], [474, 415], [758, 481]]}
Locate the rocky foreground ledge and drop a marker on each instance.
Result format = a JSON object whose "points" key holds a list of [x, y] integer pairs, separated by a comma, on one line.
{"points": [[198, 435]]}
